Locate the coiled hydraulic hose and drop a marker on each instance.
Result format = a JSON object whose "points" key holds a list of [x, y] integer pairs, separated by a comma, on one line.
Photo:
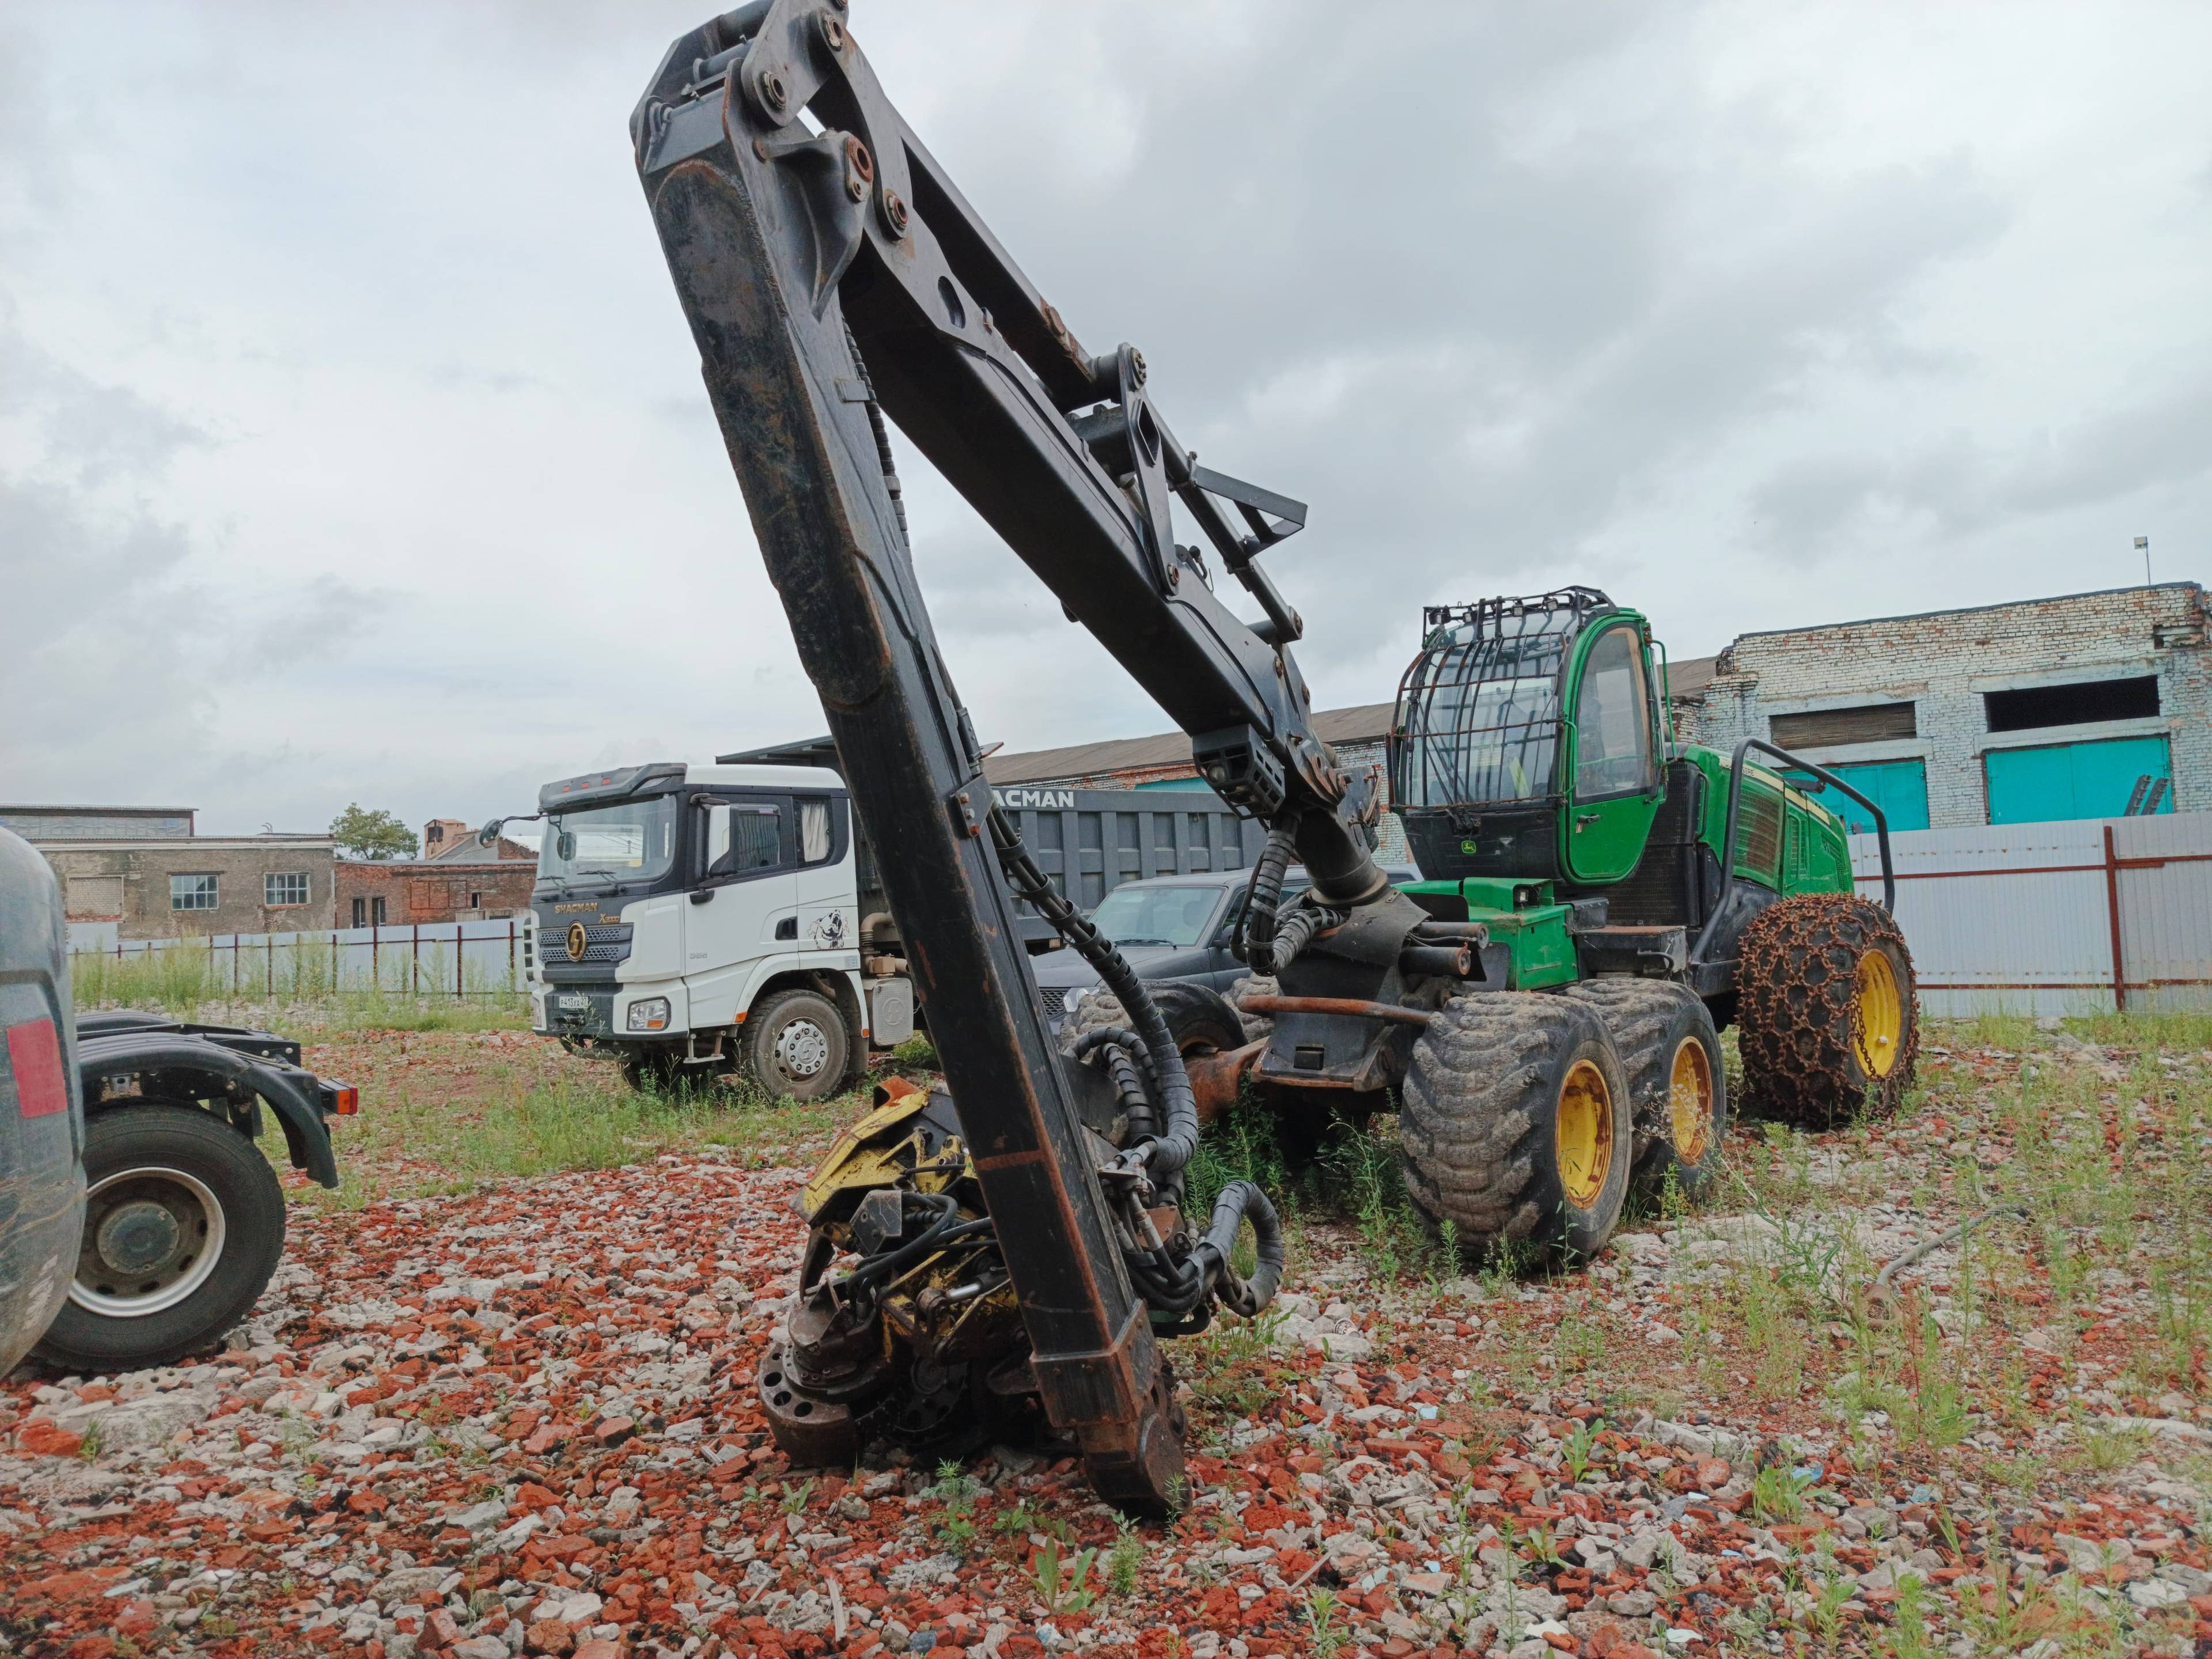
{"points": [[1174, 1148], [1124, 1050], [1242, 1201], [1298, 931], [1257, 924]]}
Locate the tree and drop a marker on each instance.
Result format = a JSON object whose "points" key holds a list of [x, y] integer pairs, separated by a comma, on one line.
{"points": [[377, 835]]}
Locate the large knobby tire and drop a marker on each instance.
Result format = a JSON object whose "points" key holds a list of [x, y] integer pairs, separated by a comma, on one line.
{"points": [[1200, 1018], [184, 1223], [796, 1047], [1828, 1023], [1677, 1088], [1516, 1125], [1255, 1025]]}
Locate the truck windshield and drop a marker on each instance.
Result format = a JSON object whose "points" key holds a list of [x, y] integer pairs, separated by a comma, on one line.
{"points": [[1131, 914], [1479, 718], [629, 841]]}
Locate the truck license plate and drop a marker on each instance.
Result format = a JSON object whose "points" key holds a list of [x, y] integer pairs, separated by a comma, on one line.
{"points": [[574, 1001]]}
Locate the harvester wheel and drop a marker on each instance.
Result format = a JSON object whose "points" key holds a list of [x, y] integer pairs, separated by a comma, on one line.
{"points": [[1202, 1021], [1515, 1124], [1677, 1090], [1255, 1025], [1828, 1024]]}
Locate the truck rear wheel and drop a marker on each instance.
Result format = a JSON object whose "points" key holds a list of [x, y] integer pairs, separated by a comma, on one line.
{"points": [[796, 1046], [1828, 1022], [1515, 1124], [1677, 1088], [184, 1221]]}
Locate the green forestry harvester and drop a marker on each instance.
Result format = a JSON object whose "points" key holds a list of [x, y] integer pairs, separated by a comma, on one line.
{"points": [[1637, 894]]}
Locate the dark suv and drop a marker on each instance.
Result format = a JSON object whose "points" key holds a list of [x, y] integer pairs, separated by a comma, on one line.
{"points": [[1168, 928]]}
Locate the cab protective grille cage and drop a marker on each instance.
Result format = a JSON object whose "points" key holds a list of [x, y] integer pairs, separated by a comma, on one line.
{"points": [[1478, 716]]}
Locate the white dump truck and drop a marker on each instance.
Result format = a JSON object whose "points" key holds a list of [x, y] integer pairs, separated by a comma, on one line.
{"points": [[693, 919]]}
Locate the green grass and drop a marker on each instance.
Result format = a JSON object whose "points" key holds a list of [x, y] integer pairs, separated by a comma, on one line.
{"points": [[193, 981]]}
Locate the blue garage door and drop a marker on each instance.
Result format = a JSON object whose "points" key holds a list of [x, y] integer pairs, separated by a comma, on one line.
{"points": [[1899, 788], [2076, 780]]}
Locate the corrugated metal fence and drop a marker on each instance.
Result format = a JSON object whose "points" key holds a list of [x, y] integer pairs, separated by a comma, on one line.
{"points": [[2079, 916], [449, 958]]}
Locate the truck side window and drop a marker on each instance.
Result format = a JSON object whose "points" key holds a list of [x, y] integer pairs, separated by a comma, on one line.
{"points": [[1612, 729], [742, 839], [813, 831]]}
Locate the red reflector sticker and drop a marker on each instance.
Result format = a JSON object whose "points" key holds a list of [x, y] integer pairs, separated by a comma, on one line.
{"points": [[35, 1054]]}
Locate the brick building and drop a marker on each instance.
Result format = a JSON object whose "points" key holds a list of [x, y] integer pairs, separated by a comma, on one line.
{"points": [[142, 871], [456, 879], [2088, 705]]}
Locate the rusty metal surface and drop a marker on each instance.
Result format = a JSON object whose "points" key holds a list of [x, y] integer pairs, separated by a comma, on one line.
{"points": [[1216, 1079], [1347, 1006]]}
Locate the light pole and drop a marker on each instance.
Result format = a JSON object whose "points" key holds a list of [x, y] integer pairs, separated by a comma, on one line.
{"points": [[2143, 546]]}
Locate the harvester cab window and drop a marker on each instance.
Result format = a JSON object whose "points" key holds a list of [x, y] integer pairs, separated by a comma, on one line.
{"points": [[1613, 727], [1480, 714]]}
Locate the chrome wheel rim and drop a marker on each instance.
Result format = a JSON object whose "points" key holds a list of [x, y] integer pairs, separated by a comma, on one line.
{"points": [[802, 1049], [152, 1236]]}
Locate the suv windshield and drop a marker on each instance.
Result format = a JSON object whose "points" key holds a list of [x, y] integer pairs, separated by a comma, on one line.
{"points": [[629, 841], [1135, 915]]}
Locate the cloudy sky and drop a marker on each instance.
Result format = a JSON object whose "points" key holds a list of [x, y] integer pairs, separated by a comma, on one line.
{"points": [[352, 445]]}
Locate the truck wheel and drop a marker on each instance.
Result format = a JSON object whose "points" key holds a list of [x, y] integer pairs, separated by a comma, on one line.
{"points": [[1516, 1125], [184, 1221], [796, 1045], [1677, 1089], [1827, 1022]]}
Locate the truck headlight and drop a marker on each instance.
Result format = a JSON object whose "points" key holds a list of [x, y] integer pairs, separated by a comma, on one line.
{"points": [[650, 1015]]}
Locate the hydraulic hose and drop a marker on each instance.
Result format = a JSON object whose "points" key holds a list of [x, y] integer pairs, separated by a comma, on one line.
{"points": [[1120, 1044], [1174, 1148], [1297, 930], [1242, 1201], [1261, 900]]}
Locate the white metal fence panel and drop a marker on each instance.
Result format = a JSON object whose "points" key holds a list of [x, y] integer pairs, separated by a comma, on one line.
{"points": [[2025, 918], [2165, 906], [450, 958]]}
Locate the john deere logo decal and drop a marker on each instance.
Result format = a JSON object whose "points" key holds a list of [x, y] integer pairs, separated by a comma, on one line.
{"points": [[577, 942]]}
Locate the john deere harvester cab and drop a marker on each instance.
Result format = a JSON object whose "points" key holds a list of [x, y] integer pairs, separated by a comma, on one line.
{"points": [[1649, 892]]}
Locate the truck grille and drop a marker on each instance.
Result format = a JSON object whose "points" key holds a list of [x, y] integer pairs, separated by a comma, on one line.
{"points": [[1054, 1002]]}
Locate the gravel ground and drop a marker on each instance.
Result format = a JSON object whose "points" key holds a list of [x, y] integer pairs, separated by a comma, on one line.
{"points": [[518, 1419]]}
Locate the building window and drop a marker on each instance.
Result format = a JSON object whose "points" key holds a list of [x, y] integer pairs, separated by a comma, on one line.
{"points": [[193, 892], [1825, 728], [284, 887], [376, 913], [2079, 704], [361, 913]]}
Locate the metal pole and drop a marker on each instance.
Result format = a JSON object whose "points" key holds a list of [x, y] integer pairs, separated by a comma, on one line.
{"points": [[457, 961], [2112, 912]]}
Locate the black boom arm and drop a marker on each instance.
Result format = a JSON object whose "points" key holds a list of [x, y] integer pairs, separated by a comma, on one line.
{"points": [[833, 274]]}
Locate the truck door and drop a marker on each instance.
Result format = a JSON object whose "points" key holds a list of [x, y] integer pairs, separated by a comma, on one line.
{"points": [[1616, 789], [825, 877], [745, 901]]}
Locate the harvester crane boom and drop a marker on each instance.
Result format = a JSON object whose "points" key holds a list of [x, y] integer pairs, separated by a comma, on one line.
{"points": [[832, 274]]}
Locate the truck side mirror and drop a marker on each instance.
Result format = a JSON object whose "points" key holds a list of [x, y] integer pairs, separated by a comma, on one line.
{"points": [[488, 836]]}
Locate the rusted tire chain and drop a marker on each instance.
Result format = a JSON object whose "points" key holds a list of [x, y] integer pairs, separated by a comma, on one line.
{"points": [[1822, 1039]]}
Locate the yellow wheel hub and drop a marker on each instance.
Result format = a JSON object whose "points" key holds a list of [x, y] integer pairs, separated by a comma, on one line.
{"points": [[1690, 1102], [1881, 1015], [1584, 1136]]}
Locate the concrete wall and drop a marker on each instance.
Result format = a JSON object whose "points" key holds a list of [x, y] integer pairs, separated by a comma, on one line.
{"points": [[416, 892], [1945, 661], [129, 883]]}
